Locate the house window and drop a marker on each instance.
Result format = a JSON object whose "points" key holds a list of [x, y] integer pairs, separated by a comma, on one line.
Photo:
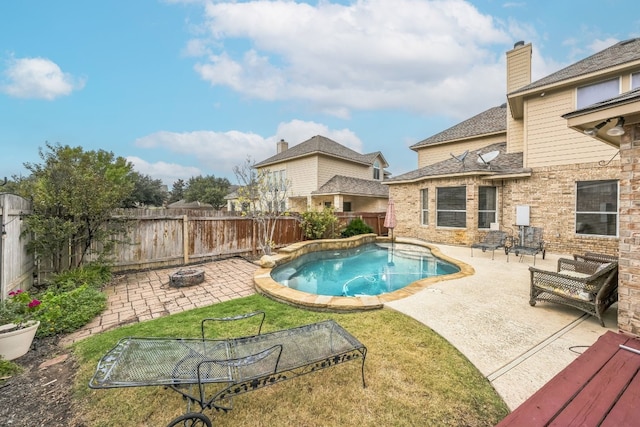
{"points": [[487, 202], [424, 197], [635, 80], [327, 204], [597, 208], [451, 209], [346, 206], [597, 92], [376, 170]]}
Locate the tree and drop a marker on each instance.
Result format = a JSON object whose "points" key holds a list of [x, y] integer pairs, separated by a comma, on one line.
{"points": [[263, 195], [177, 191], [207, 189], [146, 191], [73, 193]]}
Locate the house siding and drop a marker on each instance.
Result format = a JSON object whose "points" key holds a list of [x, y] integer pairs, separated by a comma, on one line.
{"points": [[549, 142], [437, 153], [328, 167]]}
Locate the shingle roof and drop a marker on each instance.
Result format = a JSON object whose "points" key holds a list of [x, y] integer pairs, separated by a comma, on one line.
{"points": [[347, 185], [319, 145], [620, 53], [493, 120], [504, 164]]}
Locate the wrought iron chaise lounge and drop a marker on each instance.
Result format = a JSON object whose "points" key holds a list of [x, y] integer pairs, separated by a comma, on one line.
{"points": [[493, 240], [210, 372], [529, 242], [588, 286]]}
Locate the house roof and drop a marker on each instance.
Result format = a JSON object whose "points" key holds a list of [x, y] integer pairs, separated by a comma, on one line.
{"points": [[504, 165], [618, 54], [322, 145], [347, 185], [183, 204], [493, 120]]}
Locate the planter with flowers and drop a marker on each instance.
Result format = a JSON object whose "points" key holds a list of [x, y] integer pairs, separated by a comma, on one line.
{"points": [[17, 324]]}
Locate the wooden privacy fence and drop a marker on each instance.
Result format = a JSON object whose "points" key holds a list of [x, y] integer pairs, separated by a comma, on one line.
{"points": [[16, 265], [162, 238]]}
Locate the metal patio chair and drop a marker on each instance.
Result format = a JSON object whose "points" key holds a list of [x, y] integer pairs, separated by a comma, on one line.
{"points": [[494, 239], [529, 242]]}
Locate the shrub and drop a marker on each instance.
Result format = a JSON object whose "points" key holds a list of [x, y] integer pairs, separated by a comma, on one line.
{"points": [[318, 224], [66, 312], [8, 369], [92, 275], [355, 227]]}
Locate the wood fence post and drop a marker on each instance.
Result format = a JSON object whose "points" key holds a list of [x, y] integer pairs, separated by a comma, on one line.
{"points": [[185, 238]]}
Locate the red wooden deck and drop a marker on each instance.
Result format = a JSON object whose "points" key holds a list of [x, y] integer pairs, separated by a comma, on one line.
{"points": [[600, 388]]}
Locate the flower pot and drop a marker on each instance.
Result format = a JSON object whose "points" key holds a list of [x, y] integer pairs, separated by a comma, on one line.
{"points": [[16, 342]]}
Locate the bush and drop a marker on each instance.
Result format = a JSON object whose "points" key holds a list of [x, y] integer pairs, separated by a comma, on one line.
{"points": [[92, 275], [355, 227], [65, 312], [8, 369], [318, 224]]}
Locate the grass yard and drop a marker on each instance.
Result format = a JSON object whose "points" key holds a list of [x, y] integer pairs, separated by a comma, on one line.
{"points": [[414, 377]]}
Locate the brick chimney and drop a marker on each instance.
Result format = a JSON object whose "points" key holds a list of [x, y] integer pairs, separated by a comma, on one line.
{"points": [[281, 146]]}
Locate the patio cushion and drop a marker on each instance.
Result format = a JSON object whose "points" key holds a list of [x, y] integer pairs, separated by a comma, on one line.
{"points": [[568, 292]]}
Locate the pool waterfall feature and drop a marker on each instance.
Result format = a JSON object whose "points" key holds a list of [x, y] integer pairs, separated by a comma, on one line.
{"points": [[266, 285]]}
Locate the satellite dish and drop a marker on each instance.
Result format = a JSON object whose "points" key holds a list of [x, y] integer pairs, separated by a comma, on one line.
{"points": [[461, 157], [487, 158]]}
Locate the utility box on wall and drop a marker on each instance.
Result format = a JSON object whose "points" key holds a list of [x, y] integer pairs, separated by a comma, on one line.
{"points": [[522, 215]]}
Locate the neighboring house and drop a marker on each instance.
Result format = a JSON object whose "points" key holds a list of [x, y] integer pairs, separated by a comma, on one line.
{"points": [[320, 173], [523, 157]]}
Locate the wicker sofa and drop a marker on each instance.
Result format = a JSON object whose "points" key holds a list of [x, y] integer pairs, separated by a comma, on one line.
{"points": [[588, 285]]}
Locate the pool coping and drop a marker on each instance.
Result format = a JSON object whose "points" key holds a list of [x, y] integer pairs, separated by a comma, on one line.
{"points": [[265, 285]]}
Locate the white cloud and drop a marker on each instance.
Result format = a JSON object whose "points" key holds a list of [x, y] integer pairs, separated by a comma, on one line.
{"points": [[597, 45], [38, 78], [168, 173], [216, 153], [367, 55]]}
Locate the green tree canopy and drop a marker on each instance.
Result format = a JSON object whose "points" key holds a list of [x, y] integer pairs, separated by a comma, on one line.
{"points": [[177, 191], [73, 193], [146, 191], [207, 189]]}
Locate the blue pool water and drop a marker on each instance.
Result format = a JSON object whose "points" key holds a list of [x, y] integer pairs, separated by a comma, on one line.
{"points": [[371, 269]]}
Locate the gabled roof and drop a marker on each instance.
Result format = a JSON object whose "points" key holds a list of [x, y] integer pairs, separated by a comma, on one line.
{"points": [[618, 54], [503, 165], [347, 185], [325, 146], [491, 121]]}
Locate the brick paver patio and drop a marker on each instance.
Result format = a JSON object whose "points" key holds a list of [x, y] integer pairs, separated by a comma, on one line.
{"points": [[145, 295]]}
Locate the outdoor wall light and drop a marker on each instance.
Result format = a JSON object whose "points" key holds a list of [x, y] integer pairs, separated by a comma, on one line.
{"points": [[618, 129], [592, 132]]}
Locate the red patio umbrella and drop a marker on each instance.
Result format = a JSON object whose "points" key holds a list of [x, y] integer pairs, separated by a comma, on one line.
{"points": [[390, 217]]}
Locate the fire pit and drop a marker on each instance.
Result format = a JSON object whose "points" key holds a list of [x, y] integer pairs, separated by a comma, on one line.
{"points": [[189, 277]]}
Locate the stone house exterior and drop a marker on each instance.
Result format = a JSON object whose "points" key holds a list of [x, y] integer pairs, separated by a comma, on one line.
{"points": [[523, 157], [320, 172]]}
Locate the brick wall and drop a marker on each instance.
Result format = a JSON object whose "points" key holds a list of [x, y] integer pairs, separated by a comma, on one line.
{"points": [[550, 193], [629, 272]]}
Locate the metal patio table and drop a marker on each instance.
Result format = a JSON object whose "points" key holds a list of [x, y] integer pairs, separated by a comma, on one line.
{"points": [[210, 372]]}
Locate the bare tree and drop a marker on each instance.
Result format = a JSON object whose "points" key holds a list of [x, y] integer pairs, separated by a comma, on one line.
{"points": [[263, 196]]}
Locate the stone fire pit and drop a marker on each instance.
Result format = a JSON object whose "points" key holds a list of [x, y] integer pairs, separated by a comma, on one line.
{"points": [[187, 277]]}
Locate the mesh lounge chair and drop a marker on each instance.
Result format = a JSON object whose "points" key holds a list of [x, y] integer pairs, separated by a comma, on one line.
{"points": [[529, 243], [493, 240]]}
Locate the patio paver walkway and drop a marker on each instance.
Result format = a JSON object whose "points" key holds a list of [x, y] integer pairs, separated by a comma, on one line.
{"points": [[146, 295]]}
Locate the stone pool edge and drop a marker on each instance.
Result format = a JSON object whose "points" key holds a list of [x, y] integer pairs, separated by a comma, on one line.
{"points": [[266, 286]]}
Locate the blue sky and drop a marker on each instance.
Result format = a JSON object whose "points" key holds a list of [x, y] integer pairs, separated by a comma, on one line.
{"points": [[187, 87]]}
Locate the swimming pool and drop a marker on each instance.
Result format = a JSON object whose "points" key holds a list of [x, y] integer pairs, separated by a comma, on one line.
{"points": [[367, 270]]}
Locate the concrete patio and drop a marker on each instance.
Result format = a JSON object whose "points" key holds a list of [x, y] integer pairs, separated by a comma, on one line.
{"points": [[486, 316]]}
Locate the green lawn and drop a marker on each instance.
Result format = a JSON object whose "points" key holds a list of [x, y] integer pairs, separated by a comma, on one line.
{"points": [[414, 377]]}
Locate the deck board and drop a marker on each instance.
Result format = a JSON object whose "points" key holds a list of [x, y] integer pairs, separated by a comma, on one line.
{"points": [[600, 386]]}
